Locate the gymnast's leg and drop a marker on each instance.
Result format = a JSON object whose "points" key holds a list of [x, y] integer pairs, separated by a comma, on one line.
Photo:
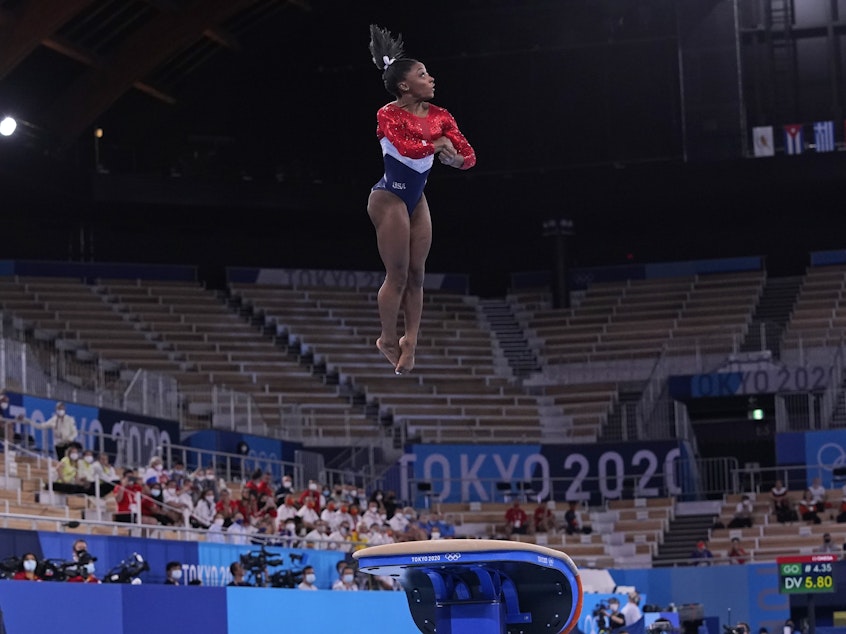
{"points": [[393, 230], [412, 300]]}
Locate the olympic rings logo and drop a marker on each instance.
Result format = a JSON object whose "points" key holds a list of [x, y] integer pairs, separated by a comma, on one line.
{"points": [[452, 556], [830, 456]]}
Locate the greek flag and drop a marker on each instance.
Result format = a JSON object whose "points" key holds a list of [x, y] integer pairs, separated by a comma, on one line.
{"points": [[824, 136], [793, 141]]}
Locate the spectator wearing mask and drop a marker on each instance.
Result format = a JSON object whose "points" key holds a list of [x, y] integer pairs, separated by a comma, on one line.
{"points": [[827, 546], [616, 619], [259, 483], [67, 472], [64, 429], [309, 579], [339, 539], [105, 472], [308, 515], [373, 514], [173, 573], [285, 489], [207, 480], [127, 494], [818, 495], [737, 554], [437, 524], [152, 506], [226, 506], [742, 514], [347, 580], [701, 555], [238, 532], [179, 475], [27, 569], [155, 472], [205, 509], [215, 534], [286, 512], [516, 519], [808, 508], [317, 537], [312, 493]]}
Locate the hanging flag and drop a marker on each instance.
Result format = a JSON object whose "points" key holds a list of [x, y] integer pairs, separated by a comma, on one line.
{"points": [[793, 142], [762, 139], [824, 136]]}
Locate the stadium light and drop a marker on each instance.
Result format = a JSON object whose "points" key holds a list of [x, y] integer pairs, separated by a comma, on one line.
{"points": [[7, 126]]}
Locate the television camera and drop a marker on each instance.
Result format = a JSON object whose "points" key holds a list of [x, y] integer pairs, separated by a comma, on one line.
{"points": [[128, 570], [257, 562]]}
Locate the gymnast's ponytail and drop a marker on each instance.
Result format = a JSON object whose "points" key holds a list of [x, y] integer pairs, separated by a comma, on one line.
{"points": [[387, 53]]}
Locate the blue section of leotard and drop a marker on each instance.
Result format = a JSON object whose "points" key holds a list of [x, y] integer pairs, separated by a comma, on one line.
{"points": [[403, 181]]}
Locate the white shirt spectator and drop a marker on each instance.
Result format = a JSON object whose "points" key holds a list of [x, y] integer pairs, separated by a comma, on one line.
{"points": [[215, 534], [307, 515], [204, 510], [631, 612], [399, 522], [238, 534], [372, 516]]}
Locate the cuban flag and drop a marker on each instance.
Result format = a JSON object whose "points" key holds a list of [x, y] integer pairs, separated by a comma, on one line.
{"points": [[793, 141], [824, 136]]}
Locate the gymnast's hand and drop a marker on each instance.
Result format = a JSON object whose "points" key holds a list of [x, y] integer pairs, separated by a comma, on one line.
{"points": [[447, 154]]}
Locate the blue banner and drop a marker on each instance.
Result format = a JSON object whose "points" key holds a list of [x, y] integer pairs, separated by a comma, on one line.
{"points": [[262, 453]]}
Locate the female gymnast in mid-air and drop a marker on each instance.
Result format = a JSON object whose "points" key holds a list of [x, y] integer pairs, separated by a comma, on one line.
{"points": [[411, 131]]}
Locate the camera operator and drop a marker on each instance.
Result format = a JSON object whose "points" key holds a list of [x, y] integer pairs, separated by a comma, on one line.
{"points": [[238, 573], [614, 616], [83, 571]]}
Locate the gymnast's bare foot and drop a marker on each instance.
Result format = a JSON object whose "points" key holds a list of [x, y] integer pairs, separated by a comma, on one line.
{"points": [[406, 360], [391, 352]]}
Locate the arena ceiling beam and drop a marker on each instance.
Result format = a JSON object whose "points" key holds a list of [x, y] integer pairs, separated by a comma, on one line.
{"points": [[22, 32], [141, 53]]}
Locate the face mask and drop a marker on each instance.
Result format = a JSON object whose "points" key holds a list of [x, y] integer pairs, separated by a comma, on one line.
{"points": [[60, 412], [4, 405], [89, 569], [156, 493], [177, 472], [239, 522], [436, 535], [348, 579], [286, 484], [209, 476], [290, 527], [310, 578], [89, 459], [210, 498], [176, 574], [408, 516], [74, 456], [218, 522], [312, 487], [325, 492], [158, 467], [379, 497], [29, 565]]}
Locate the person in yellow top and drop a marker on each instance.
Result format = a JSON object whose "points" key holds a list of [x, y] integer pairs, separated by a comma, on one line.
{"points": [[67, 472]]}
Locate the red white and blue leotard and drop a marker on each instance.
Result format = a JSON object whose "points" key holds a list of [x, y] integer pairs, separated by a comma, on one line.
{"points": [[408, 151]]}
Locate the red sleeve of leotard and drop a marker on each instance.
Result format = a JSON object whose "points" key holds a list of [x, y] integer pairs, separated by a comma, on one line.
{"points": [[449, 129]]}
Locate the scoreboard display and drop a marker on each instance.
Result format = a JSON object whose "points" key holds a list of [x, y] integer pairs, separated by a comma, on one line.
{"points": [[806, 574]]}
